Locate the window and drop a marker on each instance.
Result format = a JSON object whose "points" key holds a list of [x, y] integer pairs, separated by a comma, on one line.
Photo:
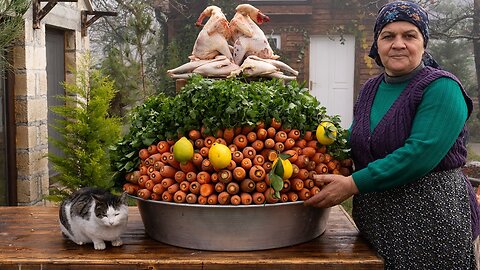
{"points": [[275, 41]]}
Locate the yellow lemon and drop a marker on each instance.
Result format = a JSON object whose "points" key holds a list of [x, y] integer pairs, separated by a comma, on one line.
{"points": [[183, 150], [219, 155], [287, 168], [326, 133]]}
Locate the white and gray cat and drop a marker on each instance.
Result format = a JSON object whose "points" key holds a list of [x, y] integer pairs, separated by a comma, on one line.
{"points": [[94, 215]]}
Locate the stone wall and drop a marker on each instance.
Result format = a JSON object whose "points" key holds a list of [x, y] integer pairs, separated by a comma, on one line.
{"points": [[29, 61]]}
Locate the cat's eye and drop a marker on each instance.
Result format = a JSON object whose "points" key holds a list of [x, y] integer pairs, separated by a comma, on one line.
{"points": [[117, 214]]}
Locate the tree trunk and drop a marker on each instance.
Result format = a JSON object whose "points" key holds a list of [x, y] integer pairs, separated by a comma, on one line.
{"points": [[476, 45]]}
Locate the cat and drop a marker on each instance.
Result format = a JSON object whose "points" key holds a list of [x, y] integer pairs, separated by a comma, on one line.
{"points": [[94, 215]]}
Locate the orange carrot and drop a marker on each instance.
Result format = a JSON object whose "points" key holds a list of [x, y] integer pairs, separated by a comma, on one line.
{"points": [[171, 142], [308, 183], [228, 135], [302, 174], [221, 141], [258, 145], [188, 166], [289, 143], [194, 134], [292, 196], [203, 177], [209, 141], [237, 156], [261, 186], [225, 176], [302, 143], [313, 144], [271, 132], [280, 136], [204, 151], [344, 171], [207, 165], [333, 164], [185, 186], [202, 199], [231, 165], [133, 177], [155, 196], [311, 165], [308, 136], [199, 143], [247, 185], [142, 179], [251, 136], [232, 147], [180, 176], [149, 184], [269, 196], [144, 193], [158, 188], [143, 154], [223, 198], [246, 164], [173, 162], [283, 197], [179, 196], [194, 187], [235, 200], [173, 188], [191, 198], [167, 197], [296, 184], [191, 176], [212, 199], [157, 165], [166, 182], [269, 143], [219, 187], [258, 198], [150, 169], [247, 129], [163, 147], [246, 198], [168, 171], [156, 177], [214, 177], [152, 149], [197, 159], [318, 158], [328, 158], [279, 147], [258, 160], [304, 194], [309, 151], [302, 161], [240, 141], [206, 189], [130, 188], [294, 134], [276, 123], [321, 168], [286, 185], [267, 165], [249, 152], [314, 190], [232, 188], [239, 173], [165, 157], [262, 134], [257, 173], [143, 169]]}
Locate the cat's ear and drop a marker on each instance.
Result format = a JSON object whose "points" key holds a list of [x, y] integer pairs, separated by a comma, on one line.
{"points": [[123, 198], [96, 197]]}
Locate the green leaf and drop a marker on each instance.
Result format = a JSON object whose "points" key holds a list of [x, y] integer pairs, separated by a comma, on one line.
{"points": [[276, 182]]}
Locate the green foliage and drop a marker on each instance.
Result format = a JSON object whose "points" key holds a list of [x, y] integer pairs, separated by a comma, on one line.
{"points": [[11, 24], [86, 132], [217, 104]]}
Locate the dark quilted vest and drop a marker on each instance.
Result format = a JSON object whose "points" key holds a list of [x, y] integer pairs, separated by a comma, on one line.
{"points": [[394, 128]]}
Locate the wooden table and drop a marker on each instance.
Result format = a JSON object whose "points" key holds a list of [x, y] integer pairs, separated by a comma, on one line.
{"points": [[30, 238]]}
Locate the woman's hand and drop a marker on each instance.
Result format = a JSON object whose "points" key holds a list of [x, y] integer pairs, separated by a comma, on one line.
{"points": [[336, 189]]}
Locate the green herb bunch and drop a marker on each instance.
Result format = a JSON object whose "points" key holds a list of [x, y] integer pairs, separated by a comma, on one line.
{"points": [[217, 104]]}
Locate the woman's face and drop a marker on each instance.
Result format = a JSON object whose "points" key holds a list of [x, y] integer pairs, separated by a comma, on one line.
{"points": [[400, 46]]}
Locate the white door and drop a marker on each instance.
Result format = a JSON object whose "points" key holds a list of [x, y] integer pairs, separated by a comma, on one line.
{"points": [[332, 64]]}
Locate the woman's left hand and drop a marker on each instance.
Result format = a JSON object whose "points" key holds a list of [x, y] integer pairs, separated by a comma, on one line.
{"points": [[336, 189]]}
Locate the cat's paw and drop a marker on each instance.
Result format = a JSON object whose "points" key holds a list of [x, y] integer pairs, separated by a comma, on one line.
{"points": [[117, 242], [99, 245]]}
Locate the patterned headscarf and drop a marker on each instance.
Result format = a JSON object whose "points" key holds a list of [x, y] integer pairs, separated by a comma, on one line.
{"points": [[402, 11]]}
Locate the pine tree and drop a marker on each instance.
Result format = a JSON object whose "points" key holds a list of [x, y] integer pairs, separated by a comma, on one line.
{"points": [[86, 131]]}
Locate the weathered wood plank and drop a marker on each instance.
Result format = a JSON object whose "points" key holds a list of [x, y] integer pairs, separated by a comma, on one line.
{"points": [[31, 239]]}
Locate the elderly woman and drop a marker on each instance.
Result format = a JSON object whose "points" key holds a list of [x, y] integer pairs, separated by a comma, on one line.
{"points": [[411, 200]]}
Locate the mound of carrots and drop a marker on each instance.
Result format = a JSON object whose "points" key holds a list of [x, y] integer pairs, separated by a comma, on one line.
{"points": [[245, 180]]}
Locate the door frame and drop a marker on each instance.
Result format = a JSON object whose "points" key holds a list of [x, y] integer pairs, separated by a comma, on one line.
{"points": [[10, 125]]}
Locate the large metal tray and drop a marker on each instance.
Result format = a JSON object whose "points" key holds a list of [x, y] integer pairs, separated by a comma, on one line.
{"points": [[232, 228]]}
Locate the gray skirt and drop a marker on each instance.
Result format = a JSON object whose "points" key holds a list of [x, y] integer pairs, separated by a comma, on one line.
{"points": [[425, 224]]}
